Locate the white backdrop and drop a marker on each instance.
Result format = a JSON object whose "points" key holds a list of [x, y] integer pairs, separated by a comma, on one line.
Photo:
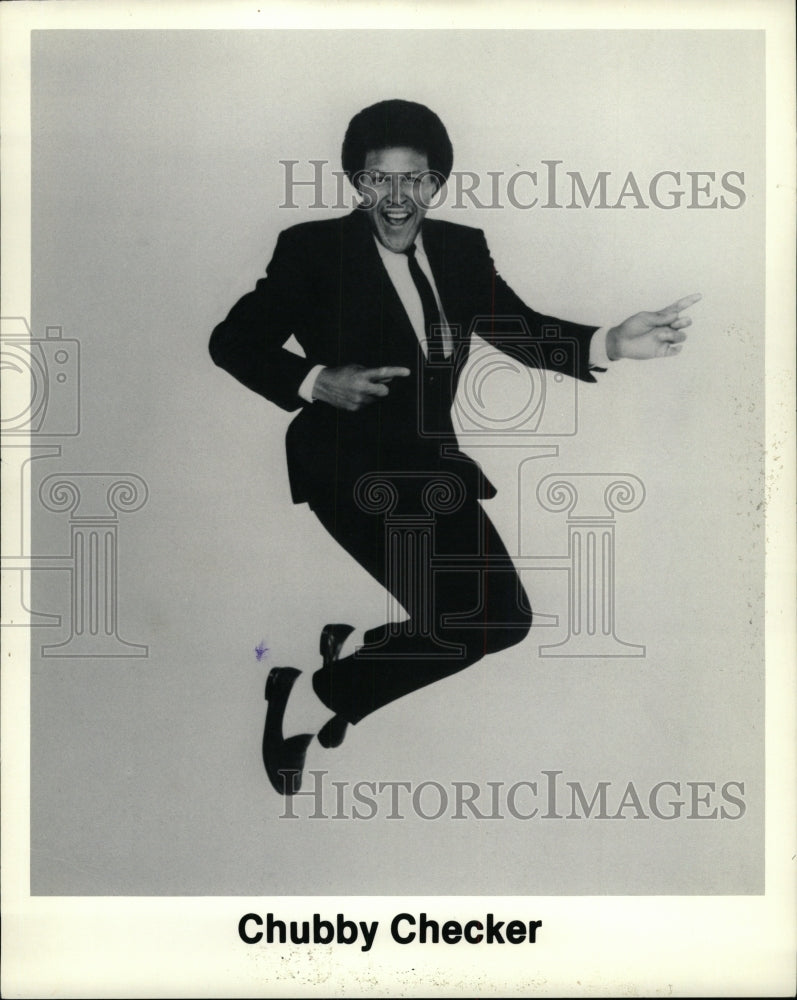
{"points": [[156, 186]]}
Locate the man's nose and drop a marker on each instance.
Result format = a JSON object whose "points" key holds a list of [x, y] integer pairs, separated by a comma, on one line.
{"points": [[398, 196]]}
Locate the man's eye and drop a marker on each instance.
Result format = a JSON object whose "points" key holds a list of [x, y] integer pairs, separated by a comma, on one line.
{"points": [[377, 179]]}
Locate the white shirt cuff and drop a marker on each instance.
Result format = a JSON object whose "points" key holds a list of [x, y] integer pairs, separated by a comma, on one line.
{"points": [[598, 358], [307, 386]]}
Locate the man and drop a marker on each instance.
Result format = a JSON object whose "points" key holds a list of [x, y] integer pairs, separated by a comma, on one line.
{"points": [[383, 302]]}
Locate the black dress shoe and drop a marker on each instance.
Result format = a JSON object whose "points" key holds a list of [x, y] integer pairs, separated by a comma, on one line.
{"points": [[284, 759], [332, 638], [331, 734]]}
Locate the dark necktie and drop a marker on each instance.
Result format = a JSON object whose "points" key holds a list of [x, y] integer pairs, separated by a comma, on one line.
{"points": [[431, 314]]}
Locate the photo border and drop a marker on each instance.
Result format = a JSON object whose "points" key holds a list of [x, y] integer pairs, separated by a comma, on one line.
{"points": [[602, 946]]}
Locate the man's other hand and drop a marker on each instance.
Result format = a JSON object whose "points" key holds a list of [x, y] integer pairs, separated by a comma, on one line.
{"points": [[352, 387], [651, 334]]}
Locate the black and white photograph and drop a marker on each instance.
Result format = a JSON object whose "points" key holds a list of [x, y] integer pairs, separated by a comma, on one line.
{"points": [[398, 533]]}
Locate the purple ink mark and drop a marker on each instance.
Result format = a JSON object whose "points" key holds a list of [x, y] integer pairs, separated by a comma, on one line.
{"points": [[260, 650]]}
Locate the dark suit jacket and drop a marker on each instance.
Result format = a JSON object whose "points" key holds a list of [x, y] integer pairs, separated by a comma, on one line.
{"points": [[327, 286]]}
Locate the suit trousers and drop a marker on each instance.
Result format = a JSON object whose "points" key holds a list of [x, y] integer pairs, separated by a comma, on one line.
{"points": [[453, 577]]}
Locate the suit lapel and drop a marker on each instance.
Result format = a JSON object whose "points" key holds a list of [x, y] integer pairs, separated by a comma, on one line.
{"points": [[434, 243], [376, 293]]}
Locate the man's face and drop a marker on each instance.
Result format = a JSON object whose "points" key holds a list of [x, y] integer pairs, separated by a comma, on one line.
{"points": [[397, 187]]}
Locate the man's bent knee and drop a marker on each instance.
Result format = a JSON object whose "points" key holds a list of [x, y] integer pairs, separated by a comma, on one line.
{"points": [[492, 637], [498, 637]]}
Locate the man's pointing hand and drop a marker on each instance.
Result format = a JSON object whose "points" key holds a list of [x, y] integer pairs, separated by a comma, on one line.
{"points": [[651, 334], [352, 387]]}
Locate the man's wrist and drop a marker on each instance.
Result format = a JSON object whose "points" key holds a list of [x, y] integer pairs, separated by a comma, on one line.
{"points": [[308, 384], [613, 344], [598, 358]]}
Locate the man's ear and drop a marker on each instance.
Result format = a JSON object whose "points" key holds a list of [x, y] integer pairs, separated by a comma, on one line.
{"points": [[360, 181], [438, 182]]}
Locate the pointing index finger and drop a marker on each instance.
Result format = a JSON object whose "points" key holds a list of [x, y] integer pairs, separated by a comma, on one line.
{"points": [[386, 373], [683, 303]]}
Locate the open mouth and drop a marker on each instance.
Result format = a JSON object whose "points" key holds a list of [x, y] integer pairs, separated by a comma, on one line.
{"points": [[396, 219]]}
